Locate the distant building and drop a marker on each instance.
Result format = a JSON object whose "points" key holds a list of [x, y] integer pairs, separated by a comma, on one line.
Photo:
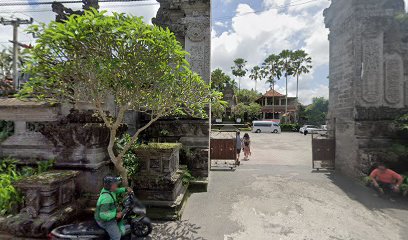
{"points": [[273, 105]]}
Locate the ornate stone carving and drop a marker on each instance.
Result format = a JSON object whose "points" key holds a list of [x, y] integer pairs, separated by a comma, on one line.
{"points": [[372, 69], [63, 12], [394, 75], [197, 31]]}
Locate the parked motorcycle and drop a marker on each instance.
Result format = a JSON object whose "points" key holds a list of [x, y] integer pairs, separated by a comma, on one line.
{"points": [[134, 217]]}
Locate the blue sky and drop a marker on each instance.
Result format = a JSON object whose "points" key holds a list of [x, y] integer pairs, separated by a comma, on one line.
{"points": [[237, 32]]}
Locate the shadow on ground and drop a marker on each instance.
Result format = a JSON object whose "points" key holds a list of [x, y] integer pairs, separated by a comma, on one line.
{"points": [[180, 230], [369, 198]]}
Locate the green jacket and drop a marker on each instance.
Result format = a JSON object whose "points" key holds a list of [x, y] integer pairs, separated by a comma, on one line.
{"points": [[107, 205]]}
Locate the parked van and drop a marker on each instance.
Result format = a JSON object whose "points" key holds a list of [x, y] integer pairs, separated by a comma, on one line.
{"points": [[266, 127]]}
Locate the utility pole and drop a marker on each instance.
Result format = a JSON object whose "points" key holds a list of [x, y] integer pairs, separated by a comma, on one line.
{"points": [[15, 23]]}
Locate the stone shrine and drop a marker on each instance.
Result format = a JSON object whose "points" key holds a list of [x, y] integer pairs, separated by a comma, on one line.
{"points": [[70, 135], [368, 78]]}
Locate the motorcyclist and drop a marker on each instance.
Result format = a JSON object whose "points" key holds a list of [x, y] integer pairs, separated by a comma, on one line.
{"points": [[108, 213]]}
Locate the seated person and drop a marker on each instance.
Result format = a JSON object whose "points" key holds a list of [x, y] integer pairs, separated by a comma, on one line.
{"points": [[108, 212], [385, 179]]}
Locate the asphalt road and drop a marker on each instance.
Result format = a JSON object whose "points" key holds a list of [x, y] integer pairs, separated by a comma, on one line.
{"points": [[276, 195]]}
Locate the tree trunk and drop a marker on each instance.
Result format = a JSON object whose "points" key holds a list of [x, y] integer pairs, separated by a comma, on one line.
{"points": [[286, 98], [122, 171], [297, 87], [273, 101]]}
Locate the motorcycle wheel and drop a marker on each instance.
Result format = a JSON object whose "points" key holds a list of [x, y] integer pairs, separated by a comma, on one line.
{"points": [[142, 228]]}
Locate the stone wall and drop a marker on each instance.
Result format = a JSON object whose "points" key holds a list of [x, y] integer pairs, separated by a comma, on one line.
{"points": [[368, 78]]}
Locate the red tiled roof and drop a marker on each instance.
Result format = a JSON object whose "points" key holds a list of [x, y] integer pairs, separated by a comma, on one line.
{"points": [[273, 93]]}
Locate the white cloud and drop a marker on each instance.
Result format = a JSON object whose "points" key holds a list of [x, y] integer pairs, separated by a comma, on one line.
{"points": [[254, 36]]}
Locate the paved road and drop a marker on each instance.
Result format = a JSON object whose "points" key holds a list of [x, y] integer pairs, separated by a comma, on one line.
{"points": [[275, 195]]}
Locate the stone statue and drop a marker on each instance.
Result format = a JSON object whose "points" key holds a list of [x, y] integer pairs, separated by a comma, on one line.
{"points": [[63, 12]]}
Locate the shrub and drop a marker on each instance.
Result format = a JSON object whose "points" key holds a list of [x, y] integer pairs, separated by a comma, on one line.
{"points": [[186, 177], [130, 161], [290, 127], [6, 129]]}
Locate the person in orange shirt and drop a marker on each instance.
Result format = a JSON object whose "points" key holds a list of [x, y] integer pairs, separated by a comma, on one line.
{"points": [[385, 179]]}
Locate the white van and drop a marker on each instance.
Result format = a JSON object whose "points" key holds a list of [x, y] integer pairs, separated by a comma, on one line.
{"points": [[265, 126]]}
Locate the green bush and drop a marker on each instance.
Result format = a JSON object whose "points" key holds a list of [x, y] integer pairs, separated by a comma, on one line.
{"points": [[186, 177], [130, 161], [6, 129], [290, 127], [10, 198]]}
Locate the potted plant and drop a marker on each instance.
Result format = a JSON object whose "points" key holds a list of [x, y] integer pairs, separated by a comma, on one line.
{"points": [[239, 112]]}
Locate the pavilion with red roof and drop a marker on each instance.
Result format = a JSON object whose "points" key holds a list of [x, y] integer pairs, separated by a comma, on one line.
{"points": [[273, 105]]}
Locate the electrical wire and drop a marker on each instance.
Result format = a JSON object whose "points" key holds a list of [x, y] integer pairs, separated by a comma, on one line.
{"points": [[6, 4], [102, 7]]}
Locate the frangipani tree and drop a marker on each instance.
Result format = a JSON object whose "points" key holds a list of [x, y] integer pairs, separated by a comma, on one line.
{"points": [[95, 57]]}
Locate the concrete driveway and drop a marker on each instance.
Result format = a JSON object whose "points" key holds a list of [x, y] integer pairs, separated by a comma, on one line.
{"points": [[275, 195]]}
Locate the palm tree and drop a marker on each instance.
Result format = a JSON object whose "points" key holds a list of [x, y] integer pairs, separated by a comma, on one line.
{"points": [[271, 70], [239, 70], [286, 57], [256, 74], [301, 65]]}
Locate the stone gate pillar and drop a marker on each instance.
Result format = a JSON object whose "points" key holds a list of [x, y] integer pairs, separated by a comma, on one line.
{"points": [[190, 21], [368, 78]]}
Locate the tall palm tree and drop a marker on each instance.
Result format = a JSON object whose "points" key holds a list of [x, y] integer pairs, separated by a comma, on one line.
{"points": [[286, 57], [271, 70], [302, 64], [256, 74], [239, 70]]}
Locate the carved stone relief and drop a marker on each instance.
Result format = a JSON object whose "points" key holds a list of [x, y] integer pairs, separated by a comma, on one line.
{"points": [[394, 76], [372, 69]]}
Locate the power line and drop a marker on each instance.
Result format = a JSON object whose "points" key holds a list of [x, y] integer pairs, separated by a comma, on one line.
{"points": [[103, 7], [64, 2]]}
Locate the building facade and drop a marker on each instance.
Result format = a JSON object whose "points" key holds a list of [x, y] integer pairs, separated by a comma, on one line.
{"points": [[274, 106]]}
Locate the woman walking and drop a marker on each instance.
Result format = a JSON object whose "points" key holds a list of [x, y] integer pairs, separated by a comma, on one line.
{"points": [[238, 146], [246, 146]]}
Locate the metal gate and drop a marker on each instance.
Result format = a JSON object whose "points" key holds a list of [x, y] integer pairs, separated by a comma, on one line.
{"points": [[223, 149], [323, 152]]}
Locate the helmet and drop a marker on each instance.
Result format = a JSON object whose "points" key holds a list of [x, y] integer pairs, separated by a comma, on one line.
{"points": [[109, 180]]}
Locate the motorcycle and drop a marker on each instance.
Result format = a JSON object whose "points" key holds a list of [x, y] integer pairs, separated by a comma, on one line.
{"points": [[134, 217]]}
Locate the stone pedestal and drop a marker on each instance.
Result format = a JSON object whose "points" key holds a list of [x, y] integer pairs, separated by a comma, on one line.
{"points": [[368, 78], [159, 183], [193, 134], [158, 178], [49, 199]]}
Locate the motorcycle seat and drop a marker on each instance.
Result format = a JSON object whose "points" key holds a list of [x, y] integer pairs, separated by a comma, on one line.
{"points": [[83, 228]]}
